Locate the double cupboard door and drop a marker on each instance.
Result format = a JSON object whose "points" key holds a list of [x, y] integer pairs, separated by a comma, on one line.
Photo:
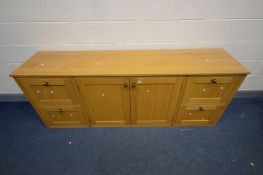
{"points": [[129, 101]]}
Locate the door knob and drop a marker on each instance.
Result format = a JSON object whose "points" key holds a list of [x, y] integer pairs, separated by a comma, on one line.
{"points": [[214, 81], [45, 83], [133, 85], [59, 110], [201, 108], [125, 84]]}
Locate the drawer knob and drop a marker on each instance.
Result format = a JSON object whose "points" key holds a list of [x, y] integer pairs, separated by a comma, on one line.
{"points": [[45, 83], [214, 81], [201, 109], [133, 85], [59, 110], [125, 84]]}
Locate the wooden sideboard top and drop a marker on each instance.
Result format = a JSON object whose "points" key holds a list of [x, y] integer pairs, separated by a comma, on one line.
{"points": [[130, 63]]}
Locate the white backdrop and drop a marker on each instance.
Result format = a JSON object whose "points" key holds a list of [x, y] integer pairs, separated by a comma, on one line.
{"points": [[30, 25]]}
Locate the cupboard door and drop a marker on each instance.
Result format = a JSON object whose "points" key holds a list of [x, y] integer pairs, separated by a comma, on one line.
{"points": [[153, 99], [106, 100]]}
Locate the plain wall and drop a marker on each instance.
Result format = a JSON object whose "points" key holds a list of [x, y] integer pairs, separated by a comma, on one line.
{"points": [[32, 25]]}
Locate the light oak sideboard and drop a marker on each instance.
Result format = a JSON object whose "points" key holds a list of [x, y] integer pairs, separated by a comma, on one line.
{"points": [[183, 87]]}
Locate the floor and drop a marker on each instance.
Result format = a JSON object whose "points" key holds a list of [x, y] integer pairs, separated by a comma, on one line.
{"points": [[234, 146]]}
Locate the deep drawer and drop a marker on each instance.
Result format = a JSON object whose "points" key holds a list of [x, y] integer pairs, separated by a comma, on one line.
{"points": [[198, 113], [46, 91], [63, 115], [208, 89]]}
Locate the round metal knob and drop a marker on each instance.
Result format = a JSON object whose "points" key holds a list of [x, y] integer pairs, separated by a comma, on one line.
{"points": [[214, 81], [201, 109], [45, 83], [125, 84], [59, 110], [133, 85]]}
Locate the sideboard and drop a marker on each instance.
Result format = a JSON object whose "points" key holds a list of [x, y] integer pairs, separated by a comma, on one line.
{"points": [[128, 88]]}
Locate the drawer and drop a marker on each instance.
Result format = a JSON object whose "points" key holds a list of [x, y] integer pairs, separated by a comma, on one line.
{"points": [[198, 113], [209, 89], [46, 91], [63, 115]]}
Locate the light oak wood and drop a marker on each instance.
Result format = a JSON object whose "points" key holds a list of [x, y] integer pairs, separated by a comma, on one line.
{"points": [[130, 63], [215, 119], [200, 89], [191, 114], [57, 90], [106, 100], [130, 88], [63, 115], [32, 102], [153, 99], [205, 107], [40, 102]]}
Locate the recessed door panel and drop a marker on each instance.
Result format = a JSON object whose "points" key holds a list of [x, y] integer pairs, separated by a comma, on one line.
{"points": [[106, 100], [153, 100]]}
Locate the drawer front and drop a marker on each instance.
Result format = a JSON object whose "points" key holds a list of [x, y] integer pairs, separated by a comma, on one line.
{"points": [[198, 113], [209, 89], [63, 115], [46, 91]]}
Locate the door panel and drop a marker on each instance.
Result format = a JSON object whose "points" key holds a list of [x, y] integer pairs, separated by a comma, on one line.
{"points": [[153, 100], [106, 100]]}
